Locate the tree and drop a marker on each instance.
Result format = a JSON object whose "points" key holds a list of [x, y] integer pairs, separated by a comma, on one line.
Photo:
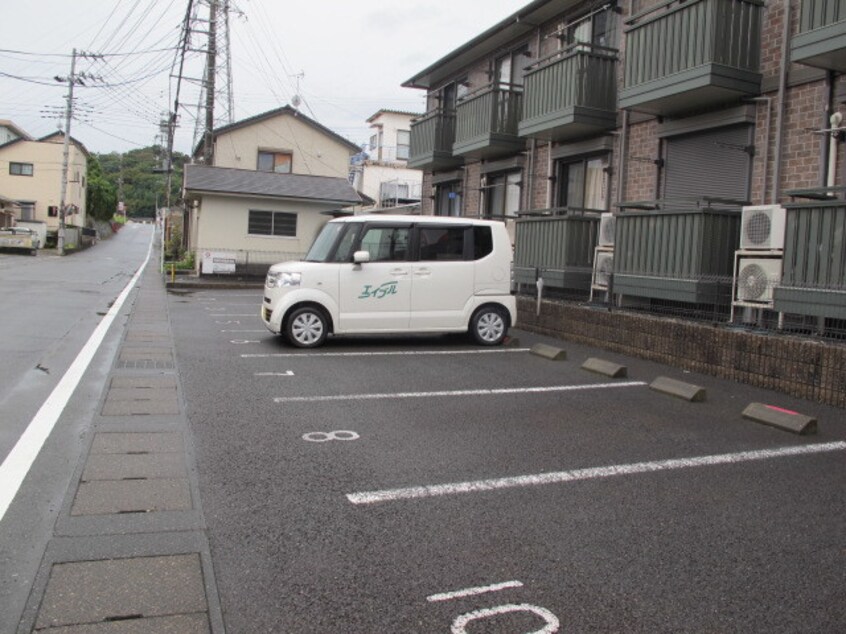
{"points": [[143, 182], [101, 199]]}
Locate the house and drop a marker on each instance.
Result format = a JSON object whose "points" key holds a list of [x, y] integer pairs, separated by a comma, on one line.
{"points": [[671, 115], [273, 181], [9, 210], [382, 174], [31, 175]]}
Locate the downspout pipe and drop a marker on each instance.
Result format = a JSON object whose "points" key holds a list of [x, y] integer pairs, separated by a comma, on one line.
{"points": [[780, 105], [621, 160]]}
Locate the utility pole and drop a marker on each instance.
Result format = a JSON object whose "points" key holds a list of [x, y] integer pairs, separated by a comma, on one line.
{"points": [[208, 145], [66, 155]]}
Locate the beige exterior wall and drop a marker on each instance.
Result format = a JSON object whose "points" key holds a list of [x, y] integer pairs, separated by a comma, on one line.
{"points": [[313, 151], [45, 185], [223, 223]]}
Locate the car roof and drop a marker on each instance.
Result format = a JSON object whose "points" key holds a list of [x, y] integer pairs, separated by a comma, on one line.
{"points": [[420, 220]]}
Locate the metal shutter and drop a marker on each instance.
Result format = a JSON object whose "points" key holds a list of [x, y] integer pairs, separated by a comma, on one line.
{"points": [[712, 163]]}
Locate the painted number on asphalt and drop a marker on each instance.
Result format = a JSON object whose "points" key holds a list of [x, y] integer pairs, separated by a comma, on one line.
{"points": [[322, 436]]}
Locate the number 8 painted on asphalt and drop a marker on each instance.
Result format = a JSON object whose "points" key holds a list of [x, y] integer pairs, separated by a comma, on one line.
{"points": [[322, 436], [459, 625]]}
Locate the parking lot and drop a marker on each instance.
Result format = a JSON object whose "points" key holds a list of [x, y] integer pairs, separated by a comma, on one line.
{"points": [[425, 484]]}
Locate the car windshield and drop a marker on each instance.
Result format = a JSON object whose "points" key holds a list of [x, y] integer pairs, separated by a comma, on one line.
{"points": [[322, 246]]}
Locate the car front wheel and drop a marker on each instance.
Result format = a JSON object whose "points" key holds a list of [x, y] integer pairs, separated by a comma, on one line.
{"points": [[307, 327], [489, 326]]}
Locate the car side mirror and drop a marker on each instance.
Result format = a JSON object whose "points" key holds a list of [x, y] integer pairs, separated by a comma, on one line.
{"points": [[360, 257]]}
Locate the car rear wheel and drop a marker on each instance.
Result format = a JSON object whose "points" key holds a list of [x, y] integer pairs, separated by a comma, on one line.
{"points": [[489, 326], [307, 327]]}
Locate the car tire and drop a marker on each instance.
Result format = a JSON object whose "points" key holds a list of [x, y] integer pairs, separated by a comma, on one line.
{"points": [[307, 327], [489, 326]]}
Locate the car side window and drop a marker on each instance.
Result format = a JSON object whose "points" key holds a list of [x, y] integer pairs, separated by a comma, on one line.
{"points": [[385, 243], [344, 252], [441, 243], [482, 242]]}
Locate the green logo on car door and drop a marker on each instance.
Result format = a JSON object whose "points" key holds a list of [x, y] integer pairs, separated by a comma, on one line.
{"points": [[379, 292]]}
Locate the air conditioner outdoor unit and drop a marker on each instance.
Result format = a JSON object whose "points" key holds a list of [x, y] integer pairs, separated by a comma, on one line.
{"points": [[762, 227], [756, 278], [603, 267], [606, 230]]}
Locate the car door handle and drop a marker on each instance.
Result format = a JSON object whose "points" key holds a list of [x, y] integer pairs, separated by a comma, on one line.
{"points": [[424, 272], [399, 272]]}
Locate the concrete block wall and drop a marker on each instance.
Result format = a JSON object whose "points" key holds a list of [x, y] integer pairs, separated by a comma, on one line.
{"points": [[810, 369]]}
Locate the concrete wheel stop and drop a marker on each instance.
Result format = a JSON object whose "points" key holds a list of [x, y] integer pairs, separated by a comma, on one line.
{"points": [[607, 368], [781, 418], [679, 389], [549, 352]]}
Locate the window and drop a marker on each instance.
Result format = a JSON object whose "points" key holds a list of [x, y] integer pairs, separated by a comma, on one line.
{"points": [[374, 142], [272, 223], [502, 195], [441, 243], [385, 243], [53, 211], [344, 252], [482, 242], [403, 144], [21, 169], [448, 199], [279, 162], [27, 209], [596, 28], [583, 184], [511, 68]]}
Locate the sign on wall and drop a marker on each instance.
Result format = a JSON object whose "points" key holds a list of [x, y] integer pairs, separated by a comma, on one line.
{"points": [[218, 262]]}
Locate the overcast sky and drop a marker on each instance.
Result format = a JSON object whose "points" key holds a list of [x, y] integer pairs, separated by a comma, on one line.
{"points": [[352, 56]]}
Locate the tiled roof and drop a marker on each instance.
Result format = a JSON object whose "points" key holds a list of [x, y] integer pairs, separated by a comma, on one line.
{"points": [[224, 180]]}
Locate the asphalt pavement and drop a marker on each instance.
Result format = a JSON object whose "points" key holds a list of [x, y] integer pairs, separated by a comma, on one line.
{"points": [[216, 479]]}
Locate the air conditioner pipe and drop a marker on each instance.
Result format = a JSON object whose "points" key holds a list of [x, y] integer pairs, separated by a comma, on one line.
{"points": [[782, 87], [836, 119]]}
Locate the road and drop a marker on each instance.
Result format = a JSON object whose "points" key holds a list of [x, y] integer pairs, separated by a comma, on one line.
{"points": [[381, 485], [425, 485]]}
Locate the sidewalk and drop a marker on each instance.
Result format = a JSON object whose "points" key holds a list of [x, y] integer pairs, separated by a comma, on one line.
{"points": [[129, 551]]}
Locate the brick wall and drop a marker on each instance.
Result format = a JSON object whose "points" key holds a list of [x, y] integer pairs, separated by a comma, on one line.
{"points": [[800, 367], [472, 183]]}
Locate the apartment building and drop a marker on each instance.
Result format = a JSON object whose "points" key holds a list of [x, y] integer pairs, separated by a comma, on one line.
{"points": [[672, 115], [381, 172]]}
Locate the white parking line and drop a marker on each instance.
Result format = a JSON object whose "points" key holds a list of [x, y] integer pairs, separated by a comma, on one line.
{"points": [[395, 353], [473, 592], [287, 373], [481, 392], [219, 315], [557, 477]]}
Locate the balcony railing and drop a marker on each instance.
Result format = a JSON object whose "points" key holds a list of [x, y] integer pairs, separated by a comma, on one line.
{"points": [[486, 122], [821, 40], [571, 93], [686, 55], [432, 137]]}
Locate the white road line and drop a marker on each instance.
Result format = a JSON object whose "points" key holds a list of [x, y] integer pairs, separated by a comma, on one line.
{"points": [[219, 315], [395, 353], [20, 459], [243, 331], [482, 392], [472, 592], [288, 373], [392, 495]]}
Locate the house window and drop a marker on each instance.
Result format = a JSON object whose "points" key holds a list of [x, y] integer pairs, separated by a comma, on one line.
{"points": [[448, 199], [583, 183], [403, 144], [21, 169], [511, 68], [279, 162], [374, 142], [272, 223], [502, 195], [53, 211], [27, 209]]}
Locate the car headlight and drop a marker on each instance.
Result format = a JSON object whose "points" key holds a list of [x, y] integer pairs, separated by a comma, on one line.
{"points": [[278, 280]]}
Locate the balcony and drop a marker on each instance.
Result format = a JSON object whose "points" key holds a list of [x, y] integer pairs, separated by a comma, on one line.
{"points": [[432, 137], [486, 122], [692, 55], [821, 40], [570, 94]]}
